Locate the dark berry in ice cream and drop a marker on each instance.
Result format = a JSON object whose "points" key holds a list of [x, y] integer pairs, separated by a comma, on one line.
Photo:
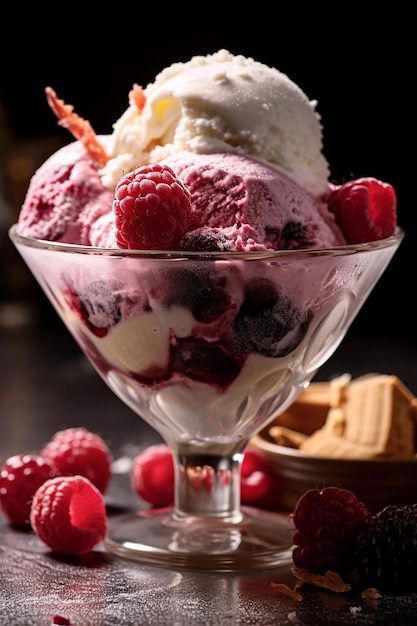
{"points": [[98, 306], [212, 302], [205, 362], [365, 209], [206, 239], [386, 550], [327, 523], [151, 208], [268, 323], [101, 304], [292, 237], [196, 288]]}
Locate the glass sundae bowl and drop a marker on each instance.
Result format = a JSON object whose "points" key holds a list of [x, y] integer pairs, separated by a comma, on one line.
{"points": [[207, 348]]}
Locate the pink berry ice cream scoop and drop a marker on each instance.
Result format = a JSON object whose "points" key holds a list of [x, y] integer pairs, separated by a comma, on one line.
{"points": [[66, 196], [252, 166], [256, 206]]}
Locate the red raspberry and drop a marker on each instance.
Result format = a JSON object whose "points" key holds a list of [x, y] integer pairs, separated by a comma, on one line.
{"points": [[365, 209], [79, 451], [153, 475], [259, 485], [152, 478], [151, 208], [327, 523], [62, 621], [20, 477], [69, 514]]}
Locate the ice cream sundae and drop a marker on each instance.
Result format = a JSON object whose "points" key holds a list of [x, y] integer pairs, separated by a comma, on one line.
{"points": [[203, 261]]}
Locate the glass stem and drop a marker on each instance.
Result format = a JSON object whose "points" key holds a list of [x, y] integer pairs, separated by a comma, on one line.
{"points": [[208, 485]]}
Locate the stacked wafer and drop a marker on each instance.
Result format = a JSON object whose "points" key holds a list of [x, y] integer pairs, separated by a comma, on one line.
{"points": [[374, 416]]}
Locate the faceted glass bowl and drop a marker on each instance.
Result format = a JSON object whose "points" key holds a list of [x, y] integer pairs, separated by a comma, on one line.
{"points": [[208, 348]]}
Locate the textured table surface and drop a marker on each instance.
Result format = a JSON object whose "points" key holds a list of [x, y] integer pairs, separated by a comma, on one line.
{"points": [[46, 385]]}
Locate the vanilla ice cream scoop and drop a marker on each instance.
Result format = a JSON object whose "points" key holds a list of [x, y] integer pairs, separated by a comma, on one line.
{"points": [[223, 103]]}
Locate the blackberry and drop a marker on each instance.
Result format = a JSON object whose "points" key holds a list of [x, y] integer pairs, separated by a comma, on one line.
{"points": [[386, 552]]}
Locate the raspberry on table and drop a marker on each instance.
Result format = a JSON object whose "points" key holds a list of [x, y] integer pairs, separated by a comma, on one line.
{"points": [[79, 451], [365, 209], [152, 475], [259, 484], [386, 550], [68, 514], [20, 477], [152, 478], [327, 523], [151, 208]]}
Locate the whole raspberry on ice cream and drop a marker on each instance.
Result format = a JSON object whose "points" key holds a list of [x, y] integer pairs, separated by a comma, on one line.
{"points": [[365, 209], [151, 209]]}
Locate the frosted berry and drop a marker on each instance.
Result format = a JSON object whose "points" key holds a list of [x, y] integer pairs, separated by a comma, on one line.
{"points": [[206, 239], [268, 322], [79, 451], [365, 209], [20, 477], [386, 551], [327, 523], [151, 208], [68, 514], [152, 475], [98, 304]]}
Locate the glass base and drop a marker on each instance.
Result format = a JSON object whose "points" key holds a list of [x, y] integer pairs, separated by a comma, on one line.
{"points": [[260, 540]]}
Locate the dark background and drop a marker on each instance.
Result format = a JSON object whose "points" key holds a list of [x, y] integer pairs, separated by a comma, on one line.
{"points": [[355, 62]]}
